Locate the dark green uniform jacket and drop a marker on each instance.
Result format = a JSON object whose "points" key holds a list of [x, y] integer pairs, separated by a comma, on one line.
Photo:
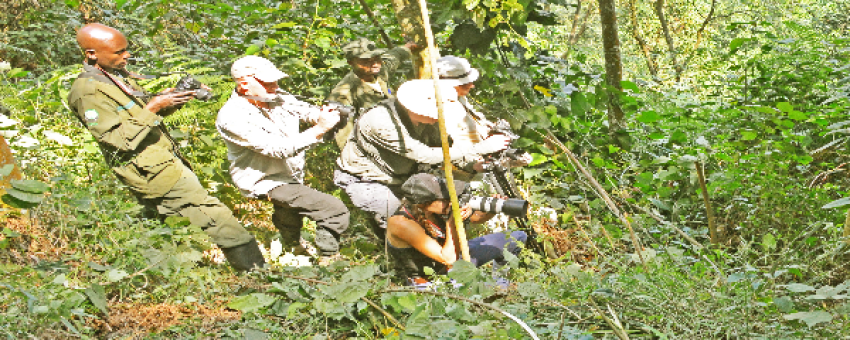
{"points": [[131, 138]]}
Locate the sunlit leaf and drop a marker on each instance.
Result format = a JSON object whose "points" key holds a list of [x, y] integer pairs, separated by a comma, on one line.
{"points": [[799, 288], [627, 85], [30, 186], [115, 275], [810, 318], [785, 107], [649, 117], [537, 159], [837, 203]]}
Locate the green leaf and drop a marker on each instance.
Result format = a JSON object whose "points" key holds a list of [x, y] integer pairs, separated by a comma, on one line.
{"points": [[252, 302], [284, 25], [768, 241], [25, 196], [656, 135], [177, 221], [17, 73], [408, 302], [360, 273], [253, 49], [537, 159], [784, 304], [627, 85], [785, 107], [529, 289], [347, 292], [30, 186], [115, 275], [748, 135], [16, 203], [578, 104], [464, 272], [810, 318], [736, 44], [649, 117], [837, 203], [797, 115], [531, 173], [97, 296], [799, 288]]}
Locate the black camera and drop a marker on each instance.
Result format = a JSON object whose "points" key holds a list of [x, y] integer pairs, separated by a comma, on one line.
{"points": [[513, 207], [502, 127], [345, 113], [189, 83]]}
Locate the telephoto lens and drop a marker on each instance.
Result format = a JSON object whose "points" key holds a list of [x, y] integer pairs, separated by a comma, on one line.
{"points": [[513, 207]]}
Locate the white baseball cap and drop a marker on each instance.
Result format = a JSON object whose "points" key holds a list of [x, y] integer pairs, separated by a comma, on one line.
{"points": [[418, 95], [456, 70], [259, 67]]}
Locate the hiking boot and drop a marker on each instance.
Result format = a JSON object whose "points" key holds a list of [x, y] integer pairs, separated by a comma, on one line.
{"points": [[244, 257]]}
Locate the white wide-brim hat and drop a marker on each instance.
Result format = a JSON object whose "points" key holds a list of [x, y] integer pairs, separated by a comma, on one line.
{"points": [[456, 70], [418, 96], [259, 67]]}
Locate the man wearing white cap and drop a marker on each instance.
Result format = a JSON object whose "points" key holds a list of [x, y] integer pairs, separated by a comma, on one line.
{"points": [[390, 141], [260, 126]]}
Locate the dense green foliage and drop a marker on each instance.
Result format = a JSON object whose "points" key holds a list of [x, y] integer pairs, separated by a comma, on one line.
{"points": [[754, 93]]}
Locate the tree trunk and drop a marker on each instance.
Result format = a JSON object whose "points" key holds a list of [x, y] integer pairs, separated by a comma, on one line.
{"points": [[636, 33], [409, 17], [671, 46], [613, 70]]}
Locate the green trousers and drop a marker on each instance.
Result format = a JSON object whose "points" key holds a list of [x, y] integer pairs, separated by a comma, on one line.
{"points": [[188, 198]]}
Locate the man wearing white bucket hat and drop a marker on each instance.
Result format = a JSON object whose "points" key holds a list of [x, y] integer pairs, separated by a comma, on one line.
{"points": [[260, 126], [392, 139]]}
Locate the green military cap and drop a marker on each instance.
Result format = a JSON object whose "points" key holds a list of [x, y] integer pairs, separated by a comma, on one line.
{"points": [[362, 48]]}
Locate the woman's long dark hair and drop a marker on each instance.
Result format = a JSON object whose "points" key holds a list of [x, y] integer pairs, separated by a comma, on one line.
{"points": [[418, 213]]}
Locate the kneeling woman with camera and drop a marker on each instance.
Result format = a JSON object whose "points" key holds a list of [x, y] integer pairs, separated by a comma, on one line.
{"points": [[422, 233]]}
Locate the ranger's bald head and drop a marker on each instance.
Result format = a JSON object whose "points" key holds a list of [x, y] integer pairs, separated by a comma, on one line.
{"points": [[103, 46], [91, 36]]}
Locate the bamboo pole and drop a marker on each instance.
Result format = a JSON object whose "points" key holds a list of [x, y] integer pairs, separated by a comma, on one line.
{"points": [[444, 137]]}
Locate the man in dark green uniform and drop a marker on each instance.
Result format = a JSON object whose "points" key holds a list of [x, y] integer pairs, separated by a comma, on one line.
{"points": [[138, 148], [367, 83]]}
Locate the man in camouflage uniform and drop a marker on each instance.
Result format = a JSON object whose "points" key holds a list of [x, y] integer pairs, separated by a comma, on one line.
{"points": [[138, 148], [367, 83]]}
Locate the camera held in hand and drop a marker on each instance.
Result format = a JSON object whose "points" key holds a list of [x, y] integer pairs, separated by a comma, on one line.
{"points": [[513, 207], [189, 83], [345, 113]]}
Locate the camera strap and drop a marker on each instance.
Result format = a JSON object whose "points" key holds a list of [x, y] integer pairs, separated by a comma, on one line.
{"points": [[132, 93]]}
